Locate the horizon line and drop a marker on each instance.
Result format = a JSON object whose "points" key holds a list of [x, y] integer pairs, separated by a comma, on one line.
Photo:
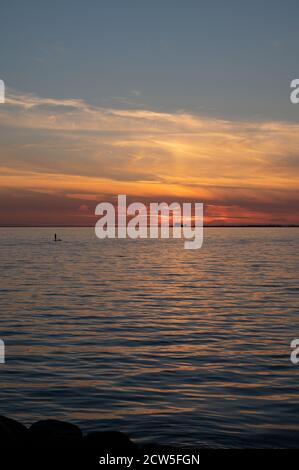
{"points": [[171, 226]]}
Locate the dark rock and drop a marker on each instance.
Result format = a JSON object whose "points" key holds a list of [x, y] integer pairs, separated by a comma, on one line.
{"points": [[110, 441], [12, 432], [54, 433]]}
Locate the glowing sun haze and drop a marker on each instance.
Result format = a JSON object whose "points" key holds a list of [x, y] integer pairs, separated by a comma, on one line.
{"points": [[60, 157]]}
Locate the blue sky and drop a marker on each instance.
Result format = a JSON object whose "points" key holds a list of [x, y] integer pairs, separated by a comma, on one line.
{"points": [[231, 59]]}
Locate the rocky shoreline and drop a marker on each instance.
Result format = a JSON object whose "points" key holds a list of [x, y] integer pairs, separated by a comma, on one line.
{"points": [[51, 432], [63, 441], [55, 433]]}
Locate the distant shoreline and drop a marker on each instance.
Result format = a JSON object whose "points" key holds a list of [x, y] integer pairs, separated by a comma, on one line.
{"points": [[205, 226]]}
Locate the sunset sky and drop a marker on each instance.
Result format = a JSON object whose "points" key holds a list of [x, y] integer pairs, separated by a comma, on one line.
{"points": [[161, 100]]}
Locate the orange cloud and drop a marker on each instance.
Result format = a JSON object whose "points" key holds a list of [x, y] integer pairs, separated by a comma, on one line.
{"points": [[70, 150]]}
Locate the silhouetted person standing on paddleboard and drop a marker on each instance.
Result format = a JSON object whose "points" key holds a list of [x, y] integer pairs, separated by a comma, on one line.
{"points": [[55, 237]]}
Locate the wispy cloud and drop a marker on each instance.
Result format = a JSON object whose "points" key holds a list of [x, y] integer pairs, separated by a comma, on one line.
{"points": [[72, 147]]}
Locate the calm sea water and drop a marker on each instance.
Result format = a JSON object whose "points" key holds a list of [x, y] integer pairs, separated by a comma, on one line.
{"points": [[166, 344]]}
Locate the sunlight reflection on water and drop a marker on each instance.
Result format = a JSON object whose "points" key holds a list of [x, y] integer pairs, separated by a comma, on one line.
{"points": [[166, 344]]}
